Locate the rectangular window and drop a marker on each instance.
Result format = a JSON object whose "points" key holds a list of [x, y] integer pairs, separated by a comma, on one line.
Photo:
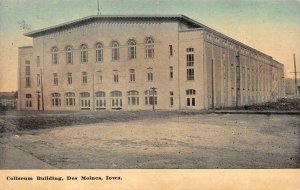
{"points": [[150, 74], [190, 74], [171, 50], [116, 77], [27, 73], [190, 60], [132, 75], [84, 78], [171, 72], [37, 61], [55, 79], [70, 81], [171, 99], [99, 77], [38, 79], [28, 81]]}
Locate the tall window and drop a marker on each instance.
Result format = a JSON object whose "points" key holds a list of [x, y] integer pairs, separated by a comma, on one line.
{"points": [[70, 78], [99, 77], [84, 78], [133, 97], [56, 99], [70, 99], [150, 74], [38, 80], [131, 49], [28, 100], [116, 76], [27, 73], [100, 100], [115, 51], [150, 97], [191, 99], [170, 50], [132, 75], [54, 53], [37, 61], [171, 72], [171, 98], [84, 53], [69, 55], [149, 47], [116, 99], [99, 52], [55, 79], [85, 102], [190, 64]]}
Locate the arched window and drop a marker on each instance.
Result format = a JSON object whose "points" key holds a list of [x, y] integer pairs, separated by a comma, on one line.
{"points": [[100, 102], [56, 99], [69, 55], [99, 52], [54, 53], [131, 49], [85, 102], [84, 53], [116, 93], [149, 47], [150, 97], [133, 97], [70, 99], [115, 51]]}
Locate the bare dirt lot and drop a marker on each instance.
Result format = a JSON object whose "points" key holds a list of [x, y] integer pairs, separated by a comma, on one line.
{"points": [[83, 140]]}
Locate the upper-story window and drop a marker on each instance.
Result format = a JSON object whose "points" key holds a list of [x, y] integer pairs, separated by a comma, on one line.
{"points": [[84, 53], [70, 78], [54, 53], [150, 74], [84, 77], [27, 72], [99, 52], [115, 54], [132, 75], [99, 77], [55, 79], [116, 76], [37, 61], [69, 55], [131, 49], [171, 72], [170, 50], [149, 47]]}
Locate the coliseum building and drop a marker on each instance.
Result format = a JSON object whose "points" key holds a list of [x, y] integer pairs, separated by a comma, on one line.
{"points": [[132, 62]]}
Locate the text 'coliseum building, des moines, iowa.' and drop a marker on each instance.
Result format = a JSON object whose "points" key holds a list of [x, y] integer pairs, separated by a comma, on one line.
{"points": [[130, 62]]}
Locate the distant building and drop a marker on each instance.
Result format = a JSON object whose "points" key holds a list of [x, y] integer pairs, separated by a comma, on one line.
{"points": [[8, 100], [132, 62]]}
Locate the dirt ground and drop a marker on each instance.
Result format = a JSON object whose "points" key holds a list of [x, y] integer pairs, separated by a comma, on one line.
{"points": [[159, 140]]}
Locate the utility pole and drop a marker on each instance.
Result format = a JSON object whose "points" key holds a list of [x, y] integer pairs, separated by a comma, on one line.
{"points": [[98, 8], [153, 98], [296, 87]]}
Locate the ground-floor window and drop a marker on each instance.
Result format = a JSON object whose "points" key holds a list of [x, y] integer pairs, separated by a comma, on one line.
{"points": [[56, 99], [116, 99], [150, 97], [70, 99], [28, 100], [133, 97], [100, 102], [85, 102], [190, 98]]}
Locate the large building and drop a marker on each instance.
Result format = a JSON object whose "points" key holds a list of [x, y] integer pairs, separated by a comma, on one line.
{"points": [[132, 62]]}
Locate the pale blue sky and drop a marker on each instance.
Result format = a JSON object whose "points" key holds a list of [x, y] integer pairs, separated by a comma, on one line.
{"points": [[271, 26]]}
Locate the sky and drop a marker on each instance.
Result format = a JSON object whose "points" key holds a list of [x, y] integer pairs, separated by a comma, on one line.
{"points": [[270, 26]]}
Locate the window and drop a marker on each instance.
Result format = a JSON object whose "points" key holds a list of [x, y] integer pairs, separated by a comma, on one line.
{"points": [[54, 53], [170, 50], [116, 99], [85, 102], [99, 52], [133, 97], [171, 72], [55, 79], [99, 77], [116, 76], [70, 99], [115, 51], [84, 78], [150, 97], [28, 100], [70, 80], [190, 74], [69, 55], [100, 100], [131, 49], [150, 74], [84, 53], [171, 98], [37, 61], [38, 78], [56, 101], [190, 63], [149, 47], [27, 73], [190, 100], [132, 75]]}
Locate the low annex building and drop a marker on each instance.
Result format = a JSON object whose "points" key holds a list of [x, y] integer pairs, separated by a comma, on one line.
{"points": [[131, 62]]}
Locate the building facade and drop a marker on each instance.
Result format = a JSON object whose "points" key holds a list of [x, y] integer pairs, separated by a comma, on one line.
{"points": [[132, 62]]}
